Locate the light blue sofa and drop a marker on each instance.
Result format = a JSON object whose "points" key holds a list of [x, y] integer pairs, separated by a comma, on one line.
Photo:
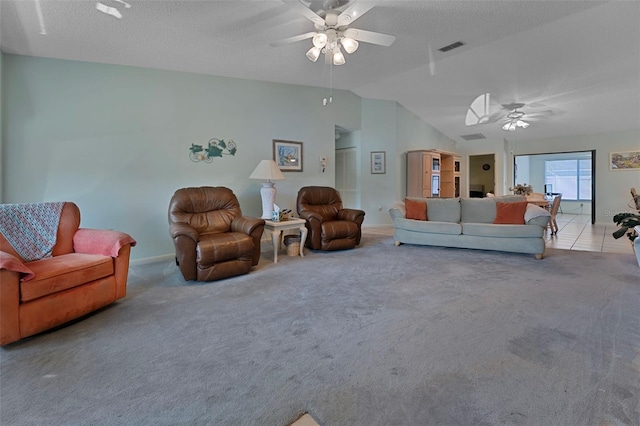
{"points": [[468, 223]]}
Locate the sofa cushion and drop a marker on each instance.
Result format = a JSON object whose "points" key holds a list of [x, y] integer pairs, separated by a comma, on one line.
{"points": [[534, 212], [58, 273], [428, 227], [510, 213], [502, 231], [443, 209], [416, 209], [478, 210]]}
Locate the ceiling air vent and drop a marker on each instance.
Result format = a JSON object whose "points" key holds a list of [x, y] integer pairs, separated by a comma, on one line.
{"points": [[473, 137], [451, 46]]}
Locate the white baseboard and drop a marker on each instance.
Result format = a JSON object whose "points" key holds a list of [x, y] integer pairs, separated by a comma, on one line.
{"points": [[145, 260]]}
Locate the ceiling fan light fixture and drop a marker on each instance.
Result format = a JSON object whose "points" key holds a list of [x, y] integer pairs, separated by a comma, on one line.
{"points": [[313, 54], [350, 45], [338, 57], [522, 124], [320, 40]]}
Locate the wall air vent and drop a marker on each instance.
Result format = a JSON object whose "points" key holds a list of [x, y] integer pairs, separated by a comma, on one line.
{"points": [[473, 137], [451, 46]]}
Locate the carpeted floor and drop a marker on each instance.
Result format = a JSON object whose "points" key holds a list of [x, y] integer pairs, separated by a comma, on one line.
{"points": [[379, 335]]}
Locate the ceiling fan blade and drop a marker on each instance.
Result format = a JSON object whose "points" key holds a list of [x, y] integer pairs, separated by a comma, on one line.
{"points": [[539, 115], [478, 112], [353, 12], [299, 7], [292, 39], [497, 116], [370, 37]]}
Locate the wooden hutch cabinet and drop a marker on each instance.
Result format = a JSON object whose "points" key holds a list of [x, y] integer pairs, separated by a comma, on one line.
{"points": [[432, 173]]}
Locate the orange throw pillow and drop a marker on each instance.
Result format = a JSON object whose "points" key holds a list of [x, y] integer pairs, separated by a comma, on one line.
{"points": [[416, 209], [510, 213]]}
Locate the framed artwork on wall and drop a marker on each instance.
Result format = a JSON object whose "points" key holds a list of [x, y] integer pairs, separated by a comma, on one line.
{"points": [[626, 160], [288, 155], [378, 162]]}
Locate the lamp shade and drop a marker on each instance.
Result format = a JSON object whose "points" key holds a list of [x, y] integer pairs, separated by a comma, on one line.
{"points": [[319, 40], [313, 54], [267, 170], [349, 44]]}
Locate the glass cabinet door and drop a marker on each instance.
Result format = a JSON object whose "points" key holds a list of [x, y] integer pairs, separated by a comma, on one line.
{"points": [[435, 186], [435, 164]]}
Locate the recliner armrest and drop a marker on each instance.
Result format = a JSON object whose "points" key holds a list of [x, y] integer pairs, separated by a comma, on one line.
{"points": [[253, 227], [246, 224], [352, 215], [13, 264], [100, 241], [310, 216], [178, 229]]}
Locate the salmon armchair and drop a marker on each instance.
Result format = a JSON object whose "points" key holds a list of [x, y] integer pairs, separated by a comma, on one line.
{"points": [[80, 271]]}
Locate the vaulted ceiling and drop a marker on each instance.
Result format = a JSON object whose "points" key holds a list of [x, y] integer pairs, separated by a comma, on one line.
{"points": [[579, 59]]}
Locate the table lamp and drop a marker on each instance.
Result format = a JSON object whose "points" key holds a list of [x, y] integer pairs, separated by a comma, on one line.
{"points": [[269, 171]]}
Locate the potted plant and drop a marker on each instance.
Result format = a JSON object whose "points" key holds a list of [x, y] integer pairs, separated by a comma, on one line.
{"points": [[629, 224], [521, 189]]}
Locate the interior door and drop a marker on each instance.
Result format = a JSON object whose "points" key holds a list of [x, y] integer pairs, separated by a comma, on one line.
{"points": [[347, 176]]}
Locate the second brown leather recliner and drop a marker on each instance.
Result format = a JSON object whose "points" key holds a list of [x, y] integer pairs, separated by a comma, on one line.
{"points": [[330, 226], [211, 237]]}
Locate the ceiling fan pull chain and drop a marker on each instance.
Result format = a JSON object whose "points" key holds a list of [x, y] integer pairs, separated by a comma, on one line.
{"points": [[331, 82], [324, 79]]}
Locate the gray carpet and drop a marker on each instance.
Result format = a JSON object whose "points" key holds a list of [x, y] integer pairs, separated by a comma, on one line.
{"points": [[379, 335]]}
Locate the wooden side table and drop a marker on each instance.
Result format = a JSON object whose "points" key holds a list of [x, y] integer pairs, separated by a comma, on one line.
{"points": [[276, 229]]}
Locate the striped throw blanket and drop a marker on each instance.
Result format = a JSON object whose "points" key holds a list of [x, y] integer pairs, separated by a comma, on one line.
{"points": [[31, 228]]}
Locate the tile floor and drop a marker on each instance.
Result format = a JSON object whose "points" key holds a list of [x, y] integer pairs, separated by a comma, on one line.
{"points": [[576, 233]]}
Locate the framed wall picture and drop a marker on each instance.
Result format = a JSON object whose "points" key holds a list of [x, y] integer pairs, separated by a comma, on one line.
{"points": [[288, 155], [626, 160], [378, 162]]}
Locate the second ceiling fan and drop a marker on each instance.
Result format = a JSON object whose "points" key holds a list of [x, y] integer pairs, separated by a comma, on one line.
{"points": [[331, 21], [480, 112]]}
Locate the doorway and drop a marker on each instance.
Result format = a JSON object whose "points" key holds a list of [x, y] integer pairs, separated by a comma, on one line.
{"points": [[482, 175], [573, 174], [347, 155]]}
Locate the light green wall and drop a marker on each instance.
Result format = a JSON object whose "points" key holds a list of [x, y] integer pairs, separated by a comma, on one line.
{"points": [[115, 139], [379, 133], [415, 134]]}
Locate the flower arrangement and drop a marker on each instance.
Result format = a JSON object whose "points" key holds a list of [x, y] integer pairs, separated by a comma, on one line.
{"points": [[522, 189]]}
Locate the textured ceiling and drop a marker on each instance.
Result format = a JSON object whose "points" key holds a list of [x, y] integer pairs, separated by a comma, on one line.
{"points": [[580, 59]]}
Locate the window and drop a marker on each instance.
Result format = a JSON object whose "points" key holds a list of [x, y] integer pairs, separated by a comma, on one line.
{"points": [[570, 177]]}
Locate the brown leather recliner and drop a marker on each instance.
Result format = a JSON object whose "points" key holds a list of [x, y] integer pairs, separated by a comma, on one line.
{"points": [[330, 226], [212, 238]]}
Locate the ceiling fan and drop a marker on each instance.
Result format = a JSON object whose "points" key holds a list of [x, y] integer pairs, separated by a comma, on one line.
{"points": [[513, 118], [332, 32]]}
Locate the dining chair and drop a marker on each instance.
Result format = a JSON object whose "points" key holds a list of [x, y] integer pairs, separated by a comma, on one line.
{"points": [[554, 211]]}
